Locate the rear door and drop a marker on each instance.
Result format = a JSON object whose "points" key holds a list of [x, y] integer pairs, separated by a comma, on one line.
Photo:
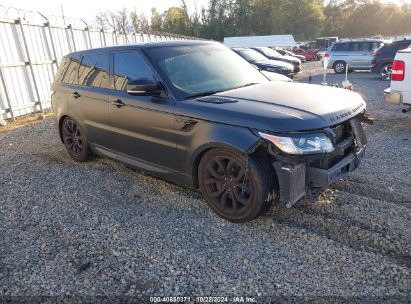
{"points": [[89, 97], [360, 54], [142, 126]]}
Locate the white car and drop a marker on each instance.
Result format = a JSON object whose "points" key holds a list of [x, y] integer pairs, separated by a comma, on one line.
{"points": [[400, 90]]}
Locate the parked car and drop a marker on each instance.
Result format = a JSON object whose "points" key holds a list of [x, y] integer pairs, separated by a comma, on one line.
{"points": [[356, 53], [197, 114], [384, 56], [265, 64], [289, 53], [275, 76], [274, 55], [309, 54], [400, 90]]}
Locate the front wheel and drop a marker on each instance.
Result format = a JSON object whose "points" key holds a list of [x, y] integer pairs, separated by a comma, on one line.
{"points": [[237, 187], [385, 71]]}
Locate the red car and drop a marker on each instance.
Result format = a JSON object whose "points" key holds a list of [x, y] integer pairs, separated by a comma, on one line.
{"points": [[309, 54]]}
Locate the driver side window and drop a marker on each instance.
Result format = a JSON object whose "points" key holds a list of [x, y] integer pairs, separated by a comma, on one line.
{"points": [[129, 65]]}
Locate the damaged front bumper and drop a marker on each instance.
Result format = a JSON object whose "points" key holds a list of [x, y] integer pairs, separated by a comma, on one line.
{"points": [[295, 175], [293, 178]]}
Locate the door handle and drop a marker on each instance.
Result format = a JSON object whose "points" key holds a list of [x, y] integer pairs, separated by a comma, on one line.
{"points": [[75, 95], [185, 120], [118, 103]]}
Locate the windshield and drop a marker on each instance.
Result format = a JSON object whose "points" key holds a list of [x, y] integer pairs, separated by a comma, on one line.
{"points": [[269, 52], [252, 55], [203, 68]]}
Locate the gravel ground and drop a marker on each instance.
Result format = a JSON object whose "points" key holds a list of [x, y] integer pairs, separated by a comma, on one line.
{"points": [[101, 231]]}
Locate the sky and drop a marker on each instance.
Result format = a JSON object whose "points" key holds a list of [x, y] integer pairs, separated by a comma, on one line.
{"points": [[88, 9]]}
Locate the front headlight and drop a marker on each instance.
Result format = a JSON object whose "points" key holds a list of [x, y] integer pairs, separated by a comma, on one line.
{"points": [[298, 144]]}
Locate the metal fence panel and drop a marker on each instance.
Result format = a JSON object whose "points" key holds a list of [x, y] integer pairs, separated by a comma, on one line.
{"points": [[30, 54]]}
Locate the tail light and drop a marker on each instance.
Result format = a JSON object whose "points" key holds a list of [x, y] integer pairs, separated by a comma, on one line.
{"points": [[398, 70], [377, 53], [326, 55]]}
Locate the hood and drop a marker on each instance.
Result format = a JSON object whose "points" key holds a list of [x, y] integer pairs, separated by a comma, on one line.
{"points": [[274, 64], [276, 106]]}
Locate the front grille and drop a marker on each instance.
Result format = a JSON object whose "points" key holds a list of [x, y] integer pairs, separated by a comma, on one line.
{"points": [[343, 136]]}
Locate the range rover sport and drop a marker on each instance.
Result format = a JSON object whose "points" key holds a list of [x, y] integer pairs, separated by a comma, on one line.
{"points": [[197, 114]]}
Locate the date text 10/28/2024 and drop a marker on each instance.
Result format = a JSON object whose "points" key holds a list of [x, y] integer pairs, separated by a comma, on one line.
{"points": [[202, 299]]}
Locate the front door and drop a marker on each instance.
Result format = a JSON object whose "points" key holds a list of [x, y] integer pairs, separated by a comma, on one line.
{"points": [[142, 126]]}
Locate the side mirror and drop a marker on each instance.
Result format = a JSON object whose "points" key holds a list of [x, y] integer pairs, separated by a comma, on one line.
{"points": [[142, 86]]}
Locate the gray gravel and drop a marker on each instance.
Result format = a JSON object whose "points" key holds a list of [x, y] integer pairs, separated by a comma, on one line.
{"points": [[99, 229]]}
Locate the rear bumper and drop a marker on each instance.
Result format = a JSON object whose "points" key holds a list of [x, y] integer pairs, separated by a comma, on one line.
{"points": [[392, 97]]}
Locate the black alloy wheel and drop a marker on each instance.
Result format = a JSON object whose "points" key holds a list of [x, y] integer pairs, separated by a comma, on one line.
{"points": [[236, 187], [74, 140]]}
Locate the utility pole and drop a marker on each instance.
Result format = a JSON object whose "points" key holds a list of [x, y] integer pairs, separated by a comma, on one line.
{"points": [[62, 12]]}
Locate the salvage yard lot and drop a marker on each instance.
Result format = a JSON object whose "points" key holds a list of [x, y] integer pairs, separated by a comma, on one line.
{"points": [[102, 229]]}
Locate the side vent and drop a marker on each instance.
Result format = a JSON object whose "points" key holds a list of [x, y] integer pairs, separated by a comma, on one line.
{"points": [[216, 100], [186, 124]]}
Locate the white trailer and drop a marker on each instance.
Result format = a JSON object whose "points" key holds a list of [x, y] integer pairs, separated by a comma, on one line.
{"points": [[252, 41]]}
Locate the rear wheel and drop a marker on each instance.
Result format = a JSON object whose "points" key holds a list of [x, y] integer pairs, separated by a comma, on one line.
{"points": [[385, 72], [339, 67], [237, 187], [74, 140]]}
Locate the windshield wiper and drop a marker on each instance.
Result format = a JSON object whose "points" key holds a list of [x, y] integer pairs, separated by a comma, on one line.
{"points": [[207, 93], [202, 94], [245, 85]]}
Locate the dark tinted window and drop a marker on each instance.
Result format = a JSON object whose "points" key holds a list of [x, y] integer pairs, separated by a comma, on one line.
{"points": [[376, 46], [340, 47], [93, 71], [129, 65], [62, 68], [69, 71], [404, 44]]}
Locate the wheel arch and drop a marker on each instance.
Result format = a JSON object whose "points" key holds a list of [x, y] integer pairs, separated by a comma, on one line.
{"points": [[337, 61], [60, 124], [384, 62], [244, 145]]}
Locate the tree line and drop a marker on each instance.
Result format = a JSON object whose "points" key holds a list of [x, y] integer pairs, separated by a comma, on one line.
{"points": [[305, 19]]}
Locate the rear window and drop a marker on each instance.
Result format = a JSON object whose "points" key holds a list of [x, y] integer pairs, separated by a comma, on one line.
{"points": [[94, 71], [69, 74]]}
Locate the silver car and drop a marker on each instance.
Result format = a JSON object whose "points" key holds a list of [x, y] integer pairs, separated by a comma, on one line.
{"points": [[356, 53]]}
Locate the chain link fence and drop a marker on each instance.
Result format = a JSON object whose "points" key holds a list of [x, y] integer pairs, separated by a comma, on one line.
{"points": [[31, 47]]}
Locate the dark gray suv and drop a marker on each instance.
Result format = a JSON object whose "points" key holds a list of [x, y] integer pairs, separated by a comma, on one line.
{"points": [[197, 114]]}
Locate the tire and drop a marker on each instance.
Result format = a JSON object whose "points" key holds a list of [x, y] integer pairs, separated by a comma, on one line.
{"points": [[385, 71], [339, 67], [234, 193], [74, 140]]}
